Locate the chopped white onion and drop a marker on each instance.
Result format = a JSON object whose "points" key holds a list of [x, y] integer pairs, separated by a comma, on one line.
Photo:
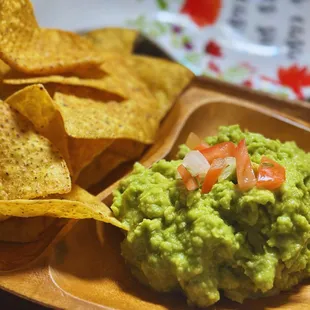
{"points": [[230, 168], [196, 163], [192, 140]]}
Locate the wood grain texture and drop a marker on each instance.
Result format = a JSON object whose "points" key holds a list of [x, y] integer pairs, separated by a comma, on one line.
{"points": [[82, 273]]}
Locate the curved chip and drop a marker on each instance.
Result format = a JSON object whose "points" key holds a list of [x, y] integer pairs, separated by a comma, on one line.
{"points": [[78, 204], [116, 40], [26, 47], [30, 166]]}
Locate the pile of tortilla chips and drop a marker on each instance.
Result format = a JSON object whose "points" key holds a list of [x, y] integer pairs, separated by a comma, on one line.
{"points": [[74, 108]]}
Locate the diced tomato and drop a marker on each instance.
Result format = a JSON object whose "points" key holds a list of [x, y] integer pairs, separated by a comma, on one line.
{"points": [[221, 150], [214, 172], [245, 173], [188, 180], [271, 175]]}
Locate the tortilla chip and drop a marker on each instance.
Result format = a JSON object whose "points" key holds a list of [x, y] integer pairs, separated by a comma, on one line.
{"points": [[119, 152], [26, 47], [87, 117], [30, 166], [114, 40], [106, 84], [37, 106], [24, 230], [92, 119], [78, 204], [117, 66], [165, 79]]}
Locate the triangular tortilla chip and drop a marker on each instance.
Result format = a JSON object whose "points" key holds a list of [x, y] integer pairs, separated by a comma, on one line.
{"points": [[114, 40], [26, 47], [78, 204], [30, 166]]}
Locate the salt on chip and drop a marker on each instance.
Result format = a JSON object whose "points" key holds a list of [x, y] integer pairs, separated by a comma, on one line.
{"points": [[116, 40], [30, 166], [78, 204], [26, 47], [119, 152]]}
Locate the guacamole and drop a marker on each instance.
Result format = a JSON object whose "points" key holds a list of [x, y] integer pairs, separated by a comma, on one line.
{"points": [[243, 244]]}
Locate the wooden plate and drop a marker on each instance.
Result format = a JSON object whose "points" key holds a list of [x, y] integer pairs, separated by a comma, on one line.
{"points": [[79, 272]]}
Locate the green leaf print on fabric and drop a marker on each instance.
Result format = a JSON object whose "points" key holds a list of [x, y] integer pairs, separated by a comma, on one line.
{"points": [[162, 4]]}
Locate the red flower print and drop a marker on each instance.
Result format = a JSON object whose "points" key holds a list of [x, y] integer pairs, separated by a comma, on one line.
{"points": [[213, 49], [247, 83], [295, 78], [214, 67], [202, 12]]}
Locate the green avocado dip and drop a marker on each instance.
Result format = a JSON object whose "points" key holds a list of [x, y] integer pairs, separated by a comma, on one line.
{"points": [[242, 244]]}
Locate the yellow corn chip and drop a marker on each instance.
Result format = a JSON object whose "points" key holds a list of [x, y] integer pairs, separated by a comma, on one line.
{"points": [[165, 79], [37, 106], [106, 83], [92, 119], [29, 165], [26, 47], [116, 66], [78, 204], [115, 40]]}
